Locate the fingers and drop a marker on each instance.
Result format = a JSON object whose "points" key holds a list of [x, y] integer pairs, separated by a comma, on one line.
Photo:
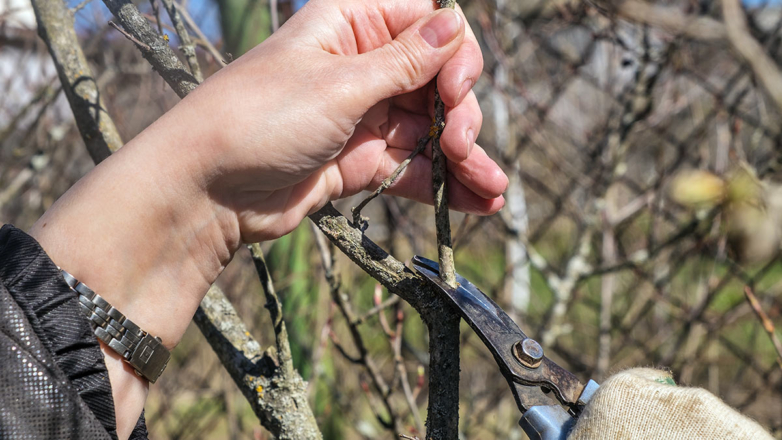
{"points": [[359, 161], [478, 172], [403, 128], [415, 184], [463, 123], [410, 61], [459, 74], [366, 161]]}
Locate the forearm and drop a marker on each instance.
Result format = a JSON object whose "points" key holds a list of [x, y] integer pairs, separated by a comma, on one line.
{"points": [[142, 233]]}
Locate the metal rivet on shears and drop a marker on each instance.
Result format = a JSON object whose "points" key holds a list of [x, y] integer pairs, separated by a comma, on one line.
{"points": [[520, 359], [528, 352]]}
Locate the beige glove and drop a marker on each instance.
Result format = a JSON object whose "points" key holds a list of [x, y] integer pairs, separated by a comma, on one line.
{"points": [[644, 403]]}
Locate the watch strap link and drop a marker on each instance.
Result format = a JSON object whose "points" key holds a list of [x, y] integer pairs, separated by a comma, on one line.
{"points": [[144, 352]]}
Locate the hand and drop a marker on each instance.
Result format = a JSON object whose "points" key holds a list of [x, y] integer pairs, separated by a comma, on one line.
{"points": [[327, 107], [646, 403], [333, 102]]}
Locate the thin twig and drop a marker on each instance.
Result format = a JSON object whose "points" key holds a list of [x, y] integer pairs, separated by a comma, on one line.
{"points": [[363, 358], [341, 349], [439, 183], [274, 306], [670, 18], [45, 95], [402, 370], [203, 41], [275, 15], [185, 43], [143, 46], [378, 308], [13, 187], [80, 6], [381, 317], [319, 351], [156, 13], [606, 297], [163, 26], [768, 325], [748, 47], [360, 221]]}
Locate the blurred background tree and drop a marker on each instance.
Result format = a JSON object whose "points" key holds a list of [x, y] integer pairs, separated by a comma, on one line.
{"points": [[244, 24], [642, 141]]}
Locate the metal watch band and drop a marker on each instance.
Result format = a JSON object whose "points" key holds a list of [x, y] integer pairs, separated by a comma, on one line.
{"points": [[144, 352]]}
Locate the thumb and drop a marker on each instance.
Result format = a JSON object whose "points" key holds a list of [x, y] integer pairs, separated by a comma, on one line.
{"points": [[412, 59]]}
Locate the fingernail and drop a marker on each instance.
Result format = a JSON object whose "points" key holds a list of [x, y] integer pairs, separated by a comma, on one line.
{"points": [[442, 27], [470, 141], [466, 86]]}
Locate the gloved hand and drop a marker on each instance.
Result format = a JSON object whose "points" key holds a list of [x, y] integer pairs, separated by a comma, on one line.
{"points": [[644, 403]]}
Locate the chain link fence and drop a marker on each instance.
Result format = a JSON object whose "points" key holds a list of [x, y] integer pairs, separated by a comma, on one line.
{"points": [[641, 227]]}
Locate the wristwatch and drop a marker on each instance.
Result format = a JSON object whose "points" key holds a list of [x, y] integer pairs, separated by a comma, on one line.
{"points": [[144, 352]]}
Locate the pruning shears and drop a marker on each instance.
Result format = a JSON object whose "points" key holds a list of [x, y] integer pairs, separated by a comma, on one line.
{"points": [[533, 378]]}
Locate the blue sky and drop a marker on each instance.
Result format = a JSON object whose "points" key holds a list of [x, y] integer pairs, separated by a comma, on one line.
{"points": [[204, 13], [754, 3]]}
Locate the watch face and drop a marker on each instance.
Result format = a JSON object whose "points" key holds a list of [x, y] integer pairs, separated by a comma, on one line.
{"points": [[150, 358]]}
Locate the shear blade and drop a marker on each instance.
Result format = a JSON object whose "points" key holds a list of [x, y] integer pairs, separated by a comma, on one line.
{"points": [[500, 333]]}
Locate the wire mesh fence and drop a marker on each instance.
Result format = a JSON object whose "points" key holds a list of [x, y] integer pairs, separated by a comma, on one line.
{"points": [[642, 218]]}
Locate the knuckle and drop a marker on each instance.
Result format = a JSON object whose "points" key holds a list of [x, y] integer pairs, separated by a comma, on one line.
{"points": [[406, 58]]}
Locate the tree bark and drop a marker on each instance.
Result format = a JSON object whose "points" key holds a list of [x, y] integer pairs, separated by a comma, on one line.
{"points": [[443, 417], [55, 27], [278, 399]]}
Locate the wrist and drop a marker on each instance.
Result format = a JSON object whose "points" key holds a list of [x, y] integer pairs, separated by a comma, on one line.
{"points": [[140, 232]]}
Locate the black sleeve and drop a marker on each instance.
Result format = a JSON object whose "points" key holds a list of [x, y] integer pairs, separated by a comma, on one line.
{"points": [[53, 380]]}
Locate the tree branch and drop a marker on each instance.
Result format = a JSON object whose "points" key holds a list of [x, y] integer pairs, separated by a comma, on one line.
{"points": [[402, 370], [751, 51], [443, 412], [279, 399], [160, 54], [768, 325], [375, 261], [363, 358], [670, 18], [288, 372], [186, 44], [388, 181], [142, 46], [55, 27], [216, 55], [442, 423]]}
